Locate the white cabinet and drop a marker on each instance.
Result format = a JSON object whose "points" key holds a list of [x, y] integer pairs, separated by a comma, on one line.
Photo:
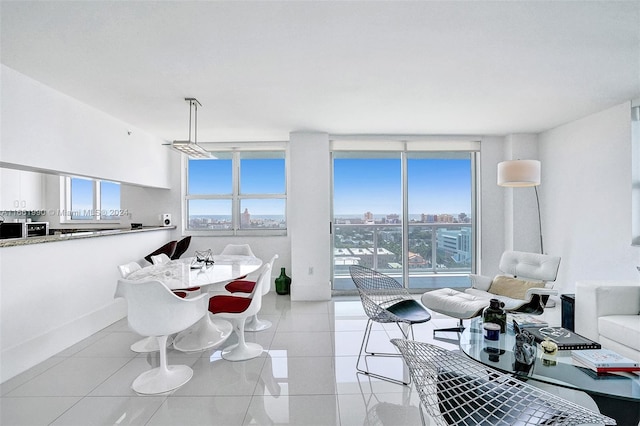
{"points": [[21, 190]]}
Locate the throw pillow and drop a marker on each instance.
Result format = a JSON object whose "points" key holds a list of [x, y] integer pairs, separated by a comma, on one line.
{"points": [[512, 287]]}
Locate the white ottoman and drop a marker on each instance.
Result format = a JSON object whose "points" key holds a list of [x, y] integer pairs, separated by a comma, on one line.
{"points": [[454, 304]]}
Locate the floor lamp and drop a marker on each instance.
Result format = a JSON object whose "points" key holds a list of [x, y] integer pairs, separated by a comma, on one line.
{"points": [[519, 174]]}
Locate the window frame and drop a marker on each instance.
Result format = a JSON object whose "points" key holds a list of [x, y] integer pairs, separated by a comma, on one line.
{"points": [[97, 218], [408, 147], [236, 197]]}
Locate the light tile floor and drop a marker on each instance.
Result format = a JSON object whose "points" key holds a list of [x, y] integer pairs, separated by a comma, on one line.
{"points": [[305, 376]]}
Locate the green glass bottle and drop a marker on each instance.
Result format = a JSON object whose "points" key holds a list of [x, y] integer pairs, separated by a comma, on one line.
{"points": [[283, 283], [495, 314]]}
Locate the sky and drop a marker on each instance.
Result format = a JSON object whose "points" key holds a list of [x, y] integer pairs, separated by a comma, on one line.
{"points": [[82, 197], [435, 186], [258, 176], [375, 185]]}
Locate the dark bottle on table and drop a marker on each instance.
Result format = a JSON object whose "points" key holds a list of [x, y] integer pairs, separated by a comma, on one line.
{"points": [[495, 314]]}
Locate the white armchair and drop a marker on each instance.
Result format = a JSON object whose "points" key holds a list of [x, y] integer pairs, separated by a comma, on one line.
{"points": [[609, 313], [525, 287], [153, 310], [526, 284]]}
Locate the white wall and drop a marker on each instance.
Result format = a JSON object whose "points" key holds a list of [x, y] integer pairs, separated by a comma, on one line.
{"points": [[43, 129], [521, 210], [55, 294], [586, 200], [146, 205], [493, 218]]}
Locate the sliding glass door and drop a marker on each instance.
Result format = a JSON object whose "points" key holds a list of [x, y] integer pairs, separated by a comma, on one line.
{"points": [[407, 214], [367, 214], [439, 213]]}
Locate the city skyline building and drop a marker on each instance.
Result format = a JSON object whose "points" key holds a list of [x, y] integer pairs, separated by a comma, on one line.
{"points": [[245, 219]]}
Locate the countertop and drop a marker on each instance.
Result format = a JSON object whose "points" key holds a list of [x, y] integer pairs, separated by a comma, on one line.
{"points": [[14, 242]]}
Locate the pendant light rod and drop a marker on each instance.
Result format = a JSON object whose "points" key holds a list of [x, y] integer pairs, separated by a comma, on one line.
{"points": [[193, 109], [191, 147]]}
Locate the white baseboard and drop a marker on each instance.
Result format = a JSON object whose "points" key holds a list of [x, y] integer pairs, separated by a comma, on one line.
{"points": [[20, 358]]}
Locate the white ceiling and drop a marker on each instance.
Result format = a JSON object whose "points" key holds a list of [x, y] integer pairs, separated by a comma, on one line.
{"points": [[264, 69]]}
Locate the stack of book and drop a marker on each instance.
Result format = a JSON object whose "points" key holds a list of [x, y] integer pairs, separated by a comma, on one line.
{"points": [[525, 320], [604, 361]]}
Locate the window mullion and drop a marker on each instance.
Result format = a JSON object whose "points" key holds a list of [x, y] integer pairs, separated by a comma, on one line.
{"points": [[235, 204], [405, 219], [96, 200], [67, 199]]}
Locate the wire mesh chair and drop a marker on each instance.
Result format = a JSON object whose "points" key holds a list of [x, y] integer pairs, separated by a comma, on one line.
{"points": [[385, 300], [456, 390]]}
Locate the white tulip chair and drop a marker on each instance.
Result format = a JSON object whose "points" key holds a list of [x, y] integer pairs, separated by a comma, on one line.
{"points": [[154, 310], [237, 309]]}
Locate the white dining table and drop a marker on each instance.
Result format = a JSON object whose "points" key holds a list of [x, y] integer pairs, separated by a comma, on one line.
{"points": [[181, 274]]}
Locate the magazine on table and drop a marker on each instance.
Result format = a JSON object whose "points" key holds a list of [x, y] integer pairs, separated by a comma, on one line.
{"points": [[525, 320], [565, 339]]}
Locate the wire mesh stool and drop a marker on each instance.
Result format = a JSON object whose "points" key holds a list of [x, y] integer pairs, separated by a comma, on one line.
{"points": [[385, 300], [456, 390]]}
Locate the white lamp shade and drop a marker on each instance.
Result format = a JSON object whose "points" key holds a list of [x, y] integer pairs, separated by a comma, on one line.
{"points": [[519, 173]]}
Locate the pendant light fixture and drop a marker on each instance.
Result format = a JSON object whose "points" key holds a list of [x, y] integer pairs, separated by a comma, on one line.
{"points": [[189, 147]]}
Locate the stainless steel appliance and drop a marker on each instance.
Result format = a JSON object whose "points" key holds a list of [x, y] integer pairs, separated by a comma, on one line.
{"points": [[23, 229], [36, 229], [11, 230]]}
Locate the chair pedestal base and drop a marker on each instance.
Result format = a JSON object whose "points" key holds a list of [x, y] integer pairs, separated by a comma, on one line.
{"points": [[205, 334], [148, 344], [159, 380], [244, 352], [256, 324]]}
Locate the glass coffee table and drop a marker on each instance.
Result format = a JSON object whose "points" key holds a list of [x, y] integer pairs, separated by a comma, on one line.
{"points": [[617, 395]]}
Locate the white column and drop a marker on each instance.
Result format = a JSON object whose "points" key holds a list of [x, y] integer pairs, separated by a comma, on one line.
{"points": [[308, 216]]}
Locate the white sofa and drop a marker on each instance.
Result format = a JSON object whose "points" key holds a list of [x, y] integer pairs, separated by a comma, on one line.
{"points": [[609, 313]]}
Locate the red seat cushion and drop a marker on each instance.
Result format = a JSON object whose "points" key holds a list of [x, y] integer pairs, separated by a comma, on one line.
{"points": [[240, 286], [228, 304], [180, 294]]}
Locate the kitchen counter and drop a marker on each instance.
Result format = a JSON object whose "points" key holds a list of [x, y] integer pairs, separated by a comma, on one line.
{"points": [[15, 242]]}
